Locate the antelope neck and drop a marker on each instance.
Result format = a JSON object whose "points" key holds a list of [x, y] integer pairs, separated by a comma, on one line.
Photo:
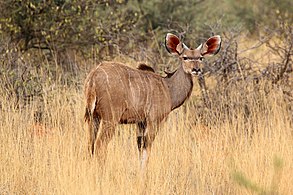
{"points": [[180, 87]]}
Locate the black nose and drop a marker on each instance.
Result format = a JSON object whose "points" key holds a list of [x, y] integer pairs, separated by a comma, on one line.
{"points": [[196, 70]]}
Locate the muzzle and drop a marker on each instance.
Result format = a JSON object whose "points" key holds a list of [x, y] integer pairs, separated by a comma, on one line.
{"points": [[196, 71]]}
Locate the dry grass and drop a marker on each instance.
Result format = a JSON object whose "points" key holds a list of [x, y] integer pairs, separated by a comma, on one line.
{"points": [[187, 158]]}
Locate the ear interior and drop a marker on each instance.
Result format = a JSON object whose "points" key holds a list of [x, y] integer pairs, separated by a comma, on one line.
{"points": [[211, 46], [172, 43]]}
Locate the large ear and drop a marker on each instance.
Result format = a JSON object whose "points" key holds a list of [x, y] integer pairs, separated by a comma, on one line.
{"points": [[212, 46], [173, 44]]}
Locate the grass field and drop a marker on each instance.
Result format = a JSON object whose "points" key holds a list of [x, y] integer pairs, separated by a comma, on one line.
{"points": [[232, 155]]}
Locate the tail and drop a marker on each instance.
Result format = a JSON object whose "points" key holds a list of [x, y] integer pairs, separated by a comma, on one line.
{"points": [[87, 115], [90, 106]]}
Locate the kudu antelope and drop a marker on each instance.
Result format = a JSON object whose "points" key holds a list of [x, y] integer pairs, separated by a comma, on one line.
{"points": [[117, 94]]}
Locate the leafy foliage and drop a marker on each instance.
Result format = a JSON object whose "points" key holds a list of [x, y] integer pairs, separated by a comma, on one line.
{"points": [[57, 24]]}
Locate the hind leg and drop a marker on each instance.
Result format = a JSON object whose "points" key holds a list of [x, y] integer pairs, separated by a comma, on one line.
{"points": [[105, 135], [93, 131]]}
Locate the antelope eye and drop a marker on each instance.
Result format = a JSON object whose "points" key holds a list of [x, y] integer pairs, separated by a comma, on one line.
{"points": [[185, 58], [201, 58]]}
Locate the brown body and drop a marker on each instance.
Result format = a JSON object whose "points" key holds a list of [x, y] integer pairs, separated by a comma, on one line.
{"points": [[126, 95], [117, 94]]}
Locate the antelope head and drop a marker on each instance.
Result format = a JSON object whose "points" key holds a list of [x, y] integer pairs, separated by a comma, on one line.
{"points": [[192, 58]]}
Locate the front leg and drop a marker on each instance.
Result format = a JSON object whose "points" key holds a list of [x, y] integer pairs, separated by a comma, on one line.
{"points": [[145, 137], [140, 136]]}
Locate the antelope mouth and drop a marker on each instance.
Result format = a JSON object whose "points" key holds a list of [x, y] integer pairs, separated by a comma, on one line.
{"points": [[196, 71]]}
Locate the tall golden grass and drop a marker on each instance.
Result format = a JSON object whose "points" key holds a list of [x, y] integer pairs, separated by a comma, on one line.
{"points": [[233, 155]]}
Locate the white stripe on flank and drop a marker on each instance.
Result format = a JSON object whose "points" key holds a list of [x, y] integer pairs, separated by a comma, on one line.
{"points": [[107, 76], [108, 92], [93, 105]]}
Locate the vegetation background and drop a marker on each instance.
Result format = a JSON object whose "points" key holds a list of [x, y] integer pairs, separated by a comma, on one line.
{"points": [[233, 136]]}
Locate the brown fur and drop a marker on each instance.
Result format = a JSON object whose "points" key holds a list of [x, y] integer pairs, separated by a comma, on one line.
{"points": [[117, 94]]}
